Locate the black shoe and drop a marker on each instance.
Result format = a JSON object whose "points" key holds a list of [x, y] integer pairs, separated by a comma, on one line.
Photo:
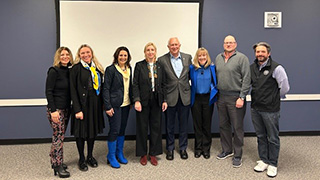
{"points": [[92, 162], [61, 172], [206, 155], [183, 154], [197, 154], [170, 155], [63, 165], [82, 166]]}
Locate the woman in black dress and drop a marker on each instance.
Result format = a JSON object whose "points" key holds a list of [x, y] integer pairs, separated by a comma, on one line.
{"points": [[87, 119], [58, 108]]}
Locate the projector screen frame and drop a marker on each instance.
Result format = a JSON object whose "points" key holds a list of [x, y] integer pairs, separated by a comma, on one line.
{"points": [[57, 5], [190, 51]]}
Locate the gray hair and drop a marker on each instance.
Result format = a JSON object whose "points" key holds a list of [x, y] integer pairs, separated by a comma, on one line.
{"points": [[262, 44]]}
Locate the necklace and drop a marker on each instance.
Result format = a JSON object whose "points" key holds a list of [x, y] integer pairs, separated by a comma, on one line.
{"points": [[123, 69]]}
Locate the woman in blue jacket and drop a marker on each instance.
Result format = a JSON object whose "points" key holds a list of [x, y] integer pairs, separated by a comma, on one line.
{"points": [[203, 96], [117, 97]]}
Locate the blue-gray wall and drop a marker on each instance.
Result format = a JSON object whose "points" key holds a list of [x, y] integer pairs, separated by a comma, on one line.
{"points": [[28, 42]]}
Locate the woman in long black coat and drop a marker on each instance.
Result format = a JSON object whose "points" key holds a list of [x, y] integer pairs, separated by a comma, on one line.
{"points": [[149, 95], [86, 79]]}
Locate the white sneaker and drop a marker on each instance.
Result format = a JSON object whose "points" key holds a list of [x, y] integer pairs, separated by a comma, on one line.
{"points": [[261, 166], [272, 171]]}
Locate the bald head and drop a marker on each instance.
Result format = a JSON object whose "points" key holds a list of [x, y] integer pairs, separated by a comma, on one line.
{"points": [[229, 44], [229, 38]]}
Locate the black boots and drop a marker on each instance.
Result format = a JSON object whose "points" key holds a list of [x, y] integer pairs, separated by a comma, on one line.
{"points": [[60, 170], [63, 165]]}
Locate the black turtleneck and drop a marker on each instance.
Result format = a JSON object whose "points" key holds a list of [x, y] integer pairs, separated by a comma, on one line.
{"points": [[58, 88]]}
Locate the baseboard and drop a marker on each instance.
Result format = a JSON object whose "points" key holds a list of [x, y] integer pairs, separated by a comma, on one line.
{"points": [[133, 137]]}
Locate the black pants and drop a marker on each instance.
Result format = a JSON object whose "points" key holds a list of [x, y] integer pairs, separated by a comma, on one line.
{"points": [[149, 117], [183, 116], [202, 117]]}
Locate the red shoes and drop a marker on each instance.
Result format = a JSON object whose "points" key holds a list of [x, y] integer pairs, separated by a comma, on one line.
{"points": [[153, 160], [144, 160]]}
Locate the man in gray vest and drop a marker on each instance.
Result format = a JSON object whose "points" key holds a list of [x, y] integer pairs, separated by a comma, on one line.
{"points": [[233, 77], [269, 84]]}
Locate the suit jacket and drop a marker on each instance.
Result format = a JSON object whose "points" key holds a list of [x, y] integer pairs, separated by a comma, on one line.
{"points": [[177, 86], [113, 88], [79, 82], [213, 85], [142, 84]]}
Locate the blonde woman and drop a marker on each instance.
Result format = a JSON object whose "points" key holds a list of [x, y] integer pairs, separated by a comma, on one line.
{"points": [[150, 100], [58, 108], [86, 79], [203, 96]]}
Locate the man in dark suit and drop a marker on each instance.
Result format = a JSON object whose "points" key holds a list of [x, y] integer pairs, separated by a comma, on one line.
{"points": [[176, 65]]}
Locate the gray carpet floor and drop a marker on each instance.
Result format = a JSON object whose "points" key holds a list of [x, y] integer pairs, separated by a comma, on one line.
{"points": [[299, 159]]}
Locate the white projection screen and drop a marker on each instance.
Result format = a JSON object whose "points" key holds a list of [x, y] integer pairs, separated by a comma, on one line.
{"points": [[106, 25]]}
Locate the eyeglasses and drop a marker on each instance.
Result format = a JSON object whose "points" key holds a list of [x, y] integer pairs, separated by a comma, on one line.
{"points": [[229, 42]]}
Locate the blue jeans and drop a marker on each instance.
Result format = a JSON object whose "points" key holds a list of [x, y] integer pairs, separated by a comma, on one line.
{"points": [[266, 125]]}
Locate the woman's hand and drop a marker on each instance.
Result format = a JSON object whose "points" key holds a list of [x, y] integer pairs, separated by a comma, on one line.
{"points": [[137, 106], [110, 112], [55, 116], [79, 115]]}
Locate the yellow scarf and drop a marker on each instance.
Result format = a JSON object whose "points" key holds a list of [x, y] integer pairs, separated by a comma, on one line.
{"points": [[95, 76]]}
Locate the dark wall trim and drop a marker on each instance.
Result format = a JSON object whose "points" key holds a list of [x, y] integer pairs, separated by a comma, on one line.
{"points": [[133, 137], [57, 5], [200, 23]]}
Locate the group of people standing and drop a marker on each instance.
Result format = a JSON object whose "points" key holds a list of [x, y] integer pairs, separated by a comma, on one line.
{"points": [[173, 84]]}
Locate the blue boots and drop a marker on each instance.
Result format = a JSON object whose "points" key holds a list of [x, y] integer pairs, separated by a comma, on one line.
{"points": [[111, 157], [116, 151], [119, 151]]}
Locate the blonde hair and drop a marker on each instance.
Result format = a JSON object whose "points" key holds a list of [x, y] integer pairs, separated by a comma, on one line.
{"points": [[94, 59], [196, 60], [145, 49], [56, 60]]}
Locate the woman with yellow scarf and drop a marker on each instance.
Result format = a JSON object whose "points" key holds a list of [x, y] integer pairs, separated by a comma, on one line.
{"points": [[87, 119]]}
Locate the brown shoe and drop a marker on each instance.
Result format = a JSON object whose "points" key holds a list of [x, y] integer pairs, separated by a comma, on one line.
{"points": [[143, 160], [153, 160]]}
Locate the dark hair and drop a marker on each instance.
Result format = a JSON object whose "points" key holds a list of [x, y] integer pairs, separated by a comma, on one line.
{"points": [[116, 55], [262, 44]]}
